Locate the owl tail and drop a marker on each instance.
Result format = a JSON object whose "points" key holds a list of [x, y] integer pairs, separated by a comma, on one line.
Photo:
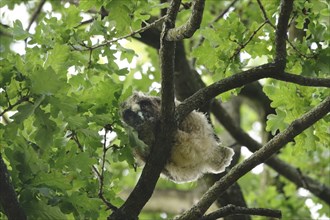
{"points": [[221, 158]]}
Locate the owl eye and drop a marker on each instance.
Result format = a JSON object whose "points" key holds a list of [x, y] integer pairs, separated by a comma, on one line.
{"points": [[144, 103]]}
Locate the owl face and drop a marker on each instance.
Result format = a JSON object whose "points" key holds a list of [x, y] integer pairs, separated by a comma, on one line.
{"points": [[139, 108]]}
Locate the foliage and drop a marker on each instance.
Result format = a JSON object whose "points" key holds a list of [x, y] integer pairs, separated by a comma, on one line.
{"points": [[60, 97]]}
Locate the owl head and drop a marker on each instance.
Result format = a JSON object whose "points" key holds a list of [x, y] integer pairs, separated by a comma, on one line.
{"points": [[140, 108]]}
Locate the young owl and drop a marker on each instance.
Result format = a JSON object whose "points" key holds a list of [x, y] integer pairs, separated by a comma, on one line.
{"points": [[195, 151]]}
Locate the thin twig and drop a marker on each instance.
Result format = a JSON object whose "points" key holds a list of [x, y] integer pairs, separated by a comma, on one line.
{"points": [[75, 138], [141, 30], [100, 178], [242, 46], [85, 22], [108, 42], [100, 175], [265, 14], [12, 106], [220, 16], [35, 14], [300, 53], [103, 12]]}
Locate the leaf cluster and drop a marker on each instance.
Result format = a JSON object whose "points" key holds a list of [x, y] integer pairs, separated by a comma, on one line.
{"points": [[60, 96]]}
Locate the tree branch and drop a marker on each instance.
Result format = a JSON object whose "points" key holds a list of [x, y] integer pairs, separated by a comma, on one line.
{"points": [[8, 199], [160, 150], [109, 42], [12, 106], [224, 12], [243, 45], [301, 80], [189, 28], [187, 84], [269, 70], [281, 32], [235, 210], [203, 95], [36, 14], [260, 156], [265, 14], [100, 175], [283, 168]]}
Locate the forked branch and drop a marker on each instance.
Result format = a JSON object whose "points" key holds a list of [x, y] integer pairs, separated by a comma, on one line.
{"points": [[260, 156], [236, 210]]}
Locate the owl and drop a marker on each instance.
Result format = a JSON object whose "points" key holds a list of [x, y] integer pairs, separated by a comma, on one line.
{"points": [[195, 151]]}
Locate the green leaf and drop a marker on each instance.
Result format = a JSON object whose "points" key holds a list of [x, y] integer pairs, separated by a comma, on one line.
{"points": [[18, 32], [86, 5], [120, 9], [83, 203], [276, 122], [53, 179], [77, 122], [6, 72], [82, 162], [58, 59], [325, 12], [206, 55], [65, 104], [72, 15], [26, 109], [135, 142], [46, 128], [307, 140], [45, 81], [40, 210]]}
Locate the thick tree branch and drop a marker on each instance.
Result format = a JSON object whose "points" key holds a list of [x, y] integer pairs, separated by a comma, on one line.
{"points": [[303, 81], [203, 95], [189, 28], [281, 32], [8, 199], [260, 156], [283, 168], [235, 210], [237, 80], [160, 150], [188, 81], [269, 70]]}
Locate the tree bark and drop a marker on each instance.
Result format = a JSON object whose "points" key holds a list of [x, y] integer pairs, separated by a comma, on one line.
{"points": [[8, 198]]}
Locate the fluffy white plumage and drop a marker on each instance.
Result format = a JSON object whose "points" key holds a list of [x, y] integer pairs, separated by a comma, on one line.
{"points": [[196, 150]]}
